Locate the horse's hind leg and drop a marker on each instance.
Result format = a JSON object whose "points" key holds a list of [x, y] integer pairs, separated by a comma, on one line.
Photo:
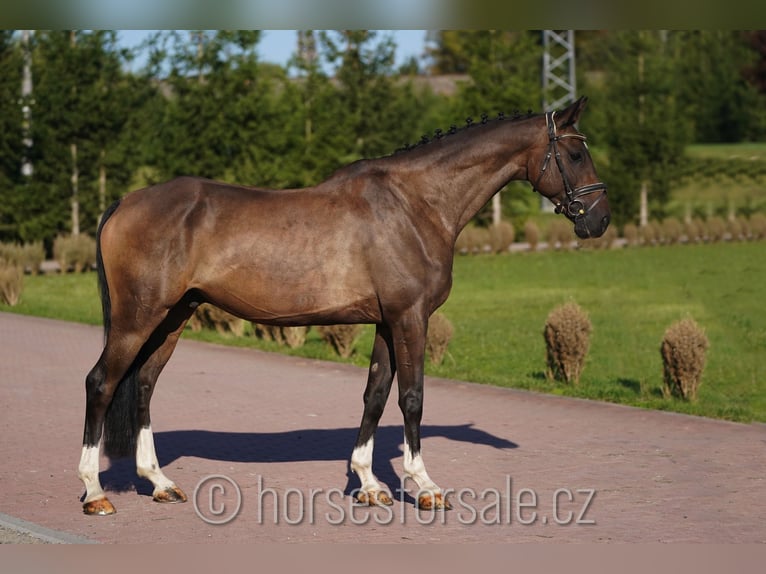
{"points": [[159, 349], [379, 380], [100, 386]]}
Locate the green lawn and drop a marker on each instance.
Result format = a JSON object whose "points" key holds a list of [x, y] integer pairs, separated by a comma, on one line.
{"points": [[499, 305]]}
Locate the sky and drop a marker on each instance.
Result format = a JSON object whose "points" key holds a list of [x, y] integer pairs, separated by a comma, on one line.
{"points": [[277, 46]]}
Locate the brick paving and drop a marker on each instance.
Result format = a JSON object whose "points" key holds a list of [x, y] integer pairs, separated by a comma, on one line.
{"points": [[523, 466]]}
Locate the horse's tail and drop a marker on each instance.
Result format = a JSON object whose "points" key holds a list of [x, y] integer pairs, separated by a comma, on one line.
{"points": [[103, 286], [120, 422]]}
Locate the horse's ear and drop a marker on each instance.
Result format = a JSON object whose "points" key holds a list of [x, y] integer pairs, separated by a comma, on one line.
{"points": [[571, 114]]}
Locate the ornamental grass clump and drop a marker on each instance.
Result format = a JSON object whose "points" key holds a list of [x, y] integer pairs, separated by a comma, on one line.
{"points": [[11, 282], [532, 235], [567, 340], [683, 350], [501, 236], [440, 332], [211, 317], [74, 252], [341, 337], [293, 337]]}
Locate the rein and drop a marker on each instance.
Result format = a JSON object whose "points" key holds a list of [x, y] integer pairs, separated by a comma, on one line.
{"points": [[574, 207]]}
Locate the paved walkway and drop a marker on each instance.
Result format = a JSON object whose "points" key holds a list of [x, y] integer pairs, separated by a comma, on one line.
{"points": [[277, 432]]}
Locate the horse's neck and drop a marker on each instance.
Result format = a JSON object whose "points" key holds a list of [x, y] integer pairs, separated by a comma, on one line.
{"points": [[456, 179]]}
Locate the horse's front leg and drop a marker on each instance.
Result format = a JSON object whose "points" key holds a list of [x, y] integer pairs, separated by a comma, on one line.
{"points": [[379, 380], [409, 347]]}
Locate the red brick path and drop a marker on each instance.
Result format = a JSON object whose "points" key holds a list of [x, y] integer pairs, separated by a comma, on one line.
{"points": [[282, 429]]}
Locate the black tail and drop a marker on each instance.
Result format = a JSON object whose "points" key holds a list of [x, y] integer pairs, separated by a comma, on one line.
{"points": [[121, 419], [121, 422], [103, 287]]}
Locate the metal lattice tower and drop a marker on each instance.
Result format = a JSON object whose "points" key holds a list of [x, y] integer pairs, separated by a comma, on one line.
{"points": [[559, 86]]}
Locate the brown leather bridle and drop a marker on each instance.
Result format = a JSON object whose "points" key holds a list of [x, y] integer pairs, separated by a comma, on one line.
{"points": [[574, 207]]}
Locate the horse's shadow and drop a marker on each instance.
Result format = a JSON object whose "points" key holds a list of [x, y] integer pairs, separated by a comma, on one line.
{"points": [[289, 446]]}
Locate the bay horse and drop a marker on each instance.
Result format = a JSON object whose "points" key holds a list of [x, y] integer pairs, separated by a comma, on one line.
{"points": [[374, 243]]}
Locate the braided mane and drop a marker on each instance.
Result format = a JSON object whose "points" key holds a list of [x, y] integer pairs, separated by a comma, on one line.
{"points": [[453, 129]]}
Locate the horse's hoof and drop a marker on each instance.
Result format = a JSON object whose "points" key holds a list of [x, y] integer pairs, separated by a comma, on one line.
{"points": [[171, 495], [374, 498], [433, 501], [98, 507]]}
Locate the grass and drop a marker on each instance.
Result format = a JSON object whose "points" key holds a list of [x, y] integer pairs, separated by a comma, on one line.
{"points": [[499, 304]]}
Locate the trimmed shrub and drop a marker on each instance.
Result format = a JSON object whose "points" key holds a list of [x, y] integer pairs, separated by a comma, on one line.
{"points": [[501, 236], [211, 317], [694, 231], [532, 235], [683, 351], [341, 337], [741, 226], [715, 228], [567, 340], [757, 225], [268, 332], [630, 233], [28, 256], [560, 234], [472, 240], [603, 242], [440, 332], [649, 233], [293, 337], [33, 255], [671, 230], [736, 230], [74, 252], [11, 282]]}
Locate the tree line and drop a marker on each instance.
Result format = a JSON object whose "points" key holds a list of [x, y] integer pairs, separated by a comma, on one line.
{"points": [[204, 104]]}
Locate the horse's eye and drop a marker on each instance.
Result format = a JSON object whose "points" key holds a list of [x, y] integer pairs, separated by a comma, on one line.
{"points": [[575, 156]]}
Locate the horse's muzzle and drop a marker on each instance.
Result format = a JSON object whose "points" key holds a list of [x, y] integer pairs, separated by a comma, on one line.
{"points": [[585, 228]]}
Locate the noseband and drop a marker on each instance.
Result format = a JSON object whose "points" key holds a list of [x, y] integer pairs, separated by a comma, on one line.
{"points": [[574, 207]]}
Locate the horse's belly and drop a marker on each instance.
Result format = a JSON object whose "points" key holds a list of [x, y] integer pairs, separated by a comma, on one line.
{"points": [[283, 304]]}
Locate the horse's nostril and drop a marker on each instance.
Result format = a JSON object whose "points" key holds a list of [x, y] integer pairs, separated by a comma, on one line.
{"points": [[604, 223]]}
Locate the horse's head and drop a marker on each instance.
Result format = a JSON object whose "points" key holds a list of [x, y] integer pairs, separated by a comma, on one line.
{"points": [[574, 187]]}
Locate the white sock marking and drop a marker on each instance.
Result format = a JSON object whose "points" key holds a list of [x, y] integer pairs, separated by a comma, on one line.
{"points": [[415, 468], [147, 465], [88, 473], [361, 464]]}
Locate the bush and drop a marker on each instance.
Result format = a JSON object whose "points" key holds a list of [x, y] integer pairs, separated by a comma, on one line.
{"points": [[11, 282], [757, 225], [440, 332], [560, 234], [630, 233], [293, 337], [472, 240], [74, 252], [603, 242], [28, 256], [649, 233], [341, 337], [683, 357], [737, 229], [715, 228], [501, 236], [671, 230], [567, 340], [211, 317], [694, 231], [532, 235]]}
